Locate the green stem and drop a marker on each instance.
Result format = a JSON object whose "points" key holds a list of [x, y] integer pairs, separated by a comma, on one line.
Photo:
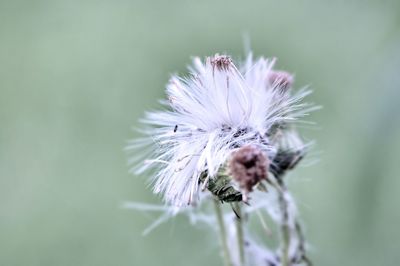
{"points": [[222, 233], [301, 247], [239, 231], [285, 226], [286, 243]]}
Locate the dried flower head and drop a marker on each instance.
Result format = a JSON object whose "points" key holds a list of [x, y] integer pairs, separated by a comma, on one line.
{"points": [[248, 166], [211, 113]]}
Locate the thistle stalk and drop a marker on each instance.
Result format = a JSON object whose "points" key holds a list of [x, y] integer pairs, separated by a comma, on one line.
{"points": [[222, 233], [239, 231], [301, 247], [285, 229]]}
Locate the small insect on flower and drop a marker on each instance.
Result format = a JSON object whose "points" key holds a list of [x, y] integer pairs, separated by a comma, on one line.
{"points": [[220, 108]]}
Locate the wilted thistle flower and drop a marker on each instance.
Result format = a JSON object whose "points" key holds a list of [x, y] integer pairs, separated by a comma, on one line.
{"points": [[248, 166], [213, 112]]}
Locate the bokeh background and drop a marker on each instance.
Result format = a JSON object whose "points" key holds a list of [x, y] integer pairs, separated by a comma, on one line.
{"points": [[75, 76]]}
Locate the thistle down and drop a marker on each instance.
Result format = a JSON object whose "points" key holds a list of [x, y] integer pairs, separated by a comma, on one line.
{"points": [[224, 128]]}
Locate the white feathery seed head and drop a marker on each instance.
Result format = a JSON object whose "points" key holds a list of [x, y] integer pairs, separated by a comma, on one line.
{"points": [[209, 114]]}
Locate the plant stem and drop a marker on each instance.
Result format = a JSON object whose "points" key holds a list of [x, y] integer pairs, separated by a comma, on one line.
{"points": [[285, 225], [239, 232], [222, 233], [301, 247]]}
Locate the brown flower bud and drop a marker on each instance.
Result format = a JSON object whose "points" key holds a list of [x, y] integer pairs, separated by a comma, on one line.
{"points": [[248, 166], [280, 79]]}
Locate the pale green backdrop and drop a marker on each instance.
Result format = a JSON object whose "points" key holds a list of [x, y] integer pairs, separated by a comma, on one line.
{"points": [[75, 76]]}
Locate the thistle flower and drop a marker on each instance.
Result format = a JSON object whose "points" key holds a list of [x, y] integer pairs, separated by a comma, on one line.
{"points": [[211, 113]]}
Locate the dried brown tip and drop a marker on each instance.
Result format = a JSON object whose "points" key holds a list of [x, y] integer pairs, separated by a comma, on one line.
{"points": [[248, 166], [221, 62], [280, 79]]}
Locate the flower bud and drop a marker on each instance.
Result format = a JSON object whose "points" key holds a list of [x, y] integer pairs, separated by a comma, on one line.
{"points": [[280, 79], [291, 150]]}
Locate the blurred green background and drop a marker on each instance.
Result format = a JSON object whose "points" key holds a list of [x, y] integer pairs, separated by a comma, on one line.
{"points": [[75, 76]]}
